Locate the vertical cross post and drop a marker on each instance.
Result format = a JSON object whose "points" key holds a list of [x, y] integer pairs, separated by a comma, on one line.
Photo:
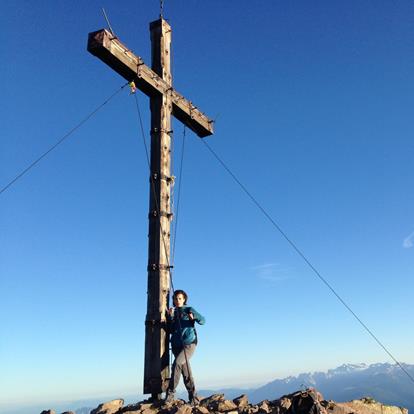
{"points": [[155, 82], [156, 369]]}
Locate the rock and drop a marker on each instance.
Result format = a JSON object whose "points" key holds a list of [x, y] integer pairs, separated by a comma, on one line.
{"points": [[264, 407], [281, 406], [175, 407], [284, 404], [241, 401], [138, 408], [109, 407], [205, 402], [144, 406], [217, 403], [226, 405], [131, 408], [200, 410], [48, 412], [335, 408], [252, 409], [300, 402], [148, 411], [68, 412], [184, 409], [365, 406]]}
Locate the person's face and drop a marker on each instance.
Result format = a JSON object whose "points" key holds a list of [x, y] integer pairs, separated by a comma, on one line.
{"points": [[179, 300]]}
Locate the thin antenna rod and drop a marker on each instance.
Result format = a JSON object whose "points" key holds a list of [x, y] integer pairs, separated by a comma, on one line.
{"points": [[107, 21]]}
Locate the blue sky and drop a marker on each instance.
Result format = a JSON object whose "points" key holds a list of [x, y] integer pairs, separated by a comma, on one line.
{"points": [[314, 105]]}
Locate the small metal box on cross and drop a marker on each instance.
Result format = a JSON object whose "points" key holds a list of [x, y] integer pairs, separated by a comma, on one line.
{"points": [[156, 82]]}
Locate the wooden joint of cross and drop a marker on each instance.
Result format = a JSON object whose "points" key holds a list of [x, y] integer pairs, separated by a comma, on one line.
{"points": [[131, 67]]}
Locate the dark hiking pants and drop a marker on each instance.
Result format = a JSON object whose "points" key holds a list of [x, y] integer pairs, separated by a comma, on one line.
{"points": [[180, 367]]}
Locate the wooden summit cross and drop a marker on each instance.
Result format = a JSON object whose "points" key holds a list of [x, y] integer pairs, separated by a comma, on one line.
{"points": [[156, 82]]}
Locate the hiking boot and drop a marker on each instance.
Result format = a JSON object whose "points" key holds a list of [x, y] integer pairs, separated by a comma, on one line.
{"points": [[193, 399], [170, 398]]}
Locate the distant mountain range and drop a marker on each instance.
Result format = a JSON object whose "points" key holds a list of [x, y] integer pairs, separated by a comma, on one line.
{"points": [[386, 383]]}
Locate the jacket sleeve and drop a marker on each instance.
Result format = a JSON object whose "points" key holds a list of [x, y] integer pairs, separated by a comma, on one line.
{"points": [[197, 316]]}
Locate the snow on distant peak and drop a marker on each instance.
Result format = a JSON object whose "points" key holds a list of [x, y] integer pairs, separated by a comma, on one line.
{"points": [[346, 369], [382, 366], [312, 378], [378, 368], [287, 380]]}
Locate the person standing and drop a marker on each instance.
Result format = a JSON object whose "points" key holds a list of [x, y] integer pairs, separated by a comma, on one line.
{"points": [[180, 322]]}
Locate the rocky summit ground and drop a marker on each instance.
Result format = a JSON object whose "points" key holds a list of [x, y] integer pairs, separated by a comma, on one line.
{"points": [[308, 401]]}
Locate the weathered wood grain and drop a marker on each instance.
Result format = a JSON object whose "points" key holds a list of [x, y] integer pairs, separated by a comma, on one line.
{"points": [[131, 67]]}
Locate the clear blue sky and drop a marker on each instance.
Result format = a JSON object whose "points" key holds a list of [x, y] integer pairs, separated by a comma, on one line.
{"points": [[314, 104]]}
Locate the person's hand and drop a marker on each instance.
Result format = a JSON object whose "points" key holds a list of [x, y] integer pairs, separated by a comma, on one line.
{"points": [[191, 316], [171, 312]]}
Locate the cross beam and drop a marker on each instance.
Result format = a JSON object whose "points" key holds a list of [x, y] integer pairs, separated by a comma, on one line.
{"points": [[116, 55], [156, 82]]}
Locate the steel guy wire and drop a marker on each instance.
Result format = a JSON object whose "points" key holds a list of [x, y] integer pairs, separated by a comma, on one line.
{"points": [[179, 194], [108, 23], [153, 188], [153, 185], [161, 8], [67, 135], [302, 255]]}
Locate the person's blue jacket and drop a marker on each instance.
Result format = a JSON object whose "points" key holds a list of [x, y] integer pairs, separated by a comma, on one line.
{"points": [[181, 327]]}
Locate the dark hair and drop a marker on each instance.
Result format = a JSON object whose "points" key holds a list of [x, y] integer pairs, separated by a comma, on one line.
{"points": [[179, 291]]}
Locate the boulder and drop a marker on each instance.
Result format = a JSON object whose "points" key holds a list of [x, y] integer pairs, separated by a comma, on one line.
{"points": [[130, 412], [140, 408], [336, 408], [200, 410], [251, 409], [226, 406], [308, 401], [183, 409], [110, 407], [48, 412], [281, 406], [217, 402], [213, 399], [148, 411], [131, 408], [365, 406], [241, 401], [264, 407]]}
